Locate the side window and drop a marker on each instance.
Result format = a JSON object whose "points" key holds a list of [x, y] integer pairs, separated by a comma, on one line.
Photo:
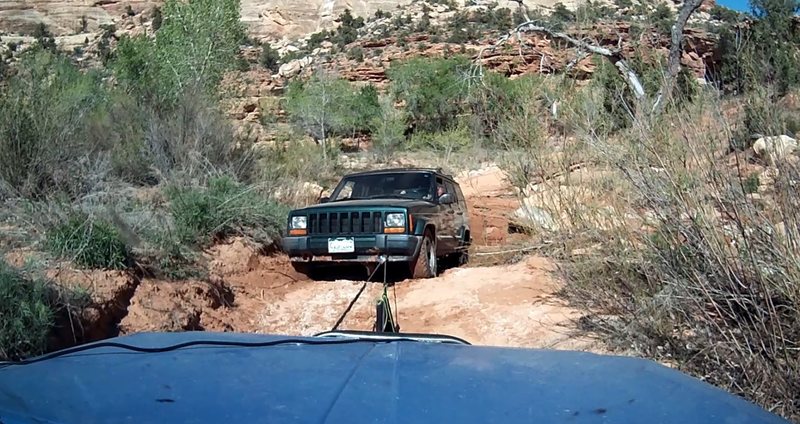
{"points": [[450, 189], [440, 187], [460, 195]]}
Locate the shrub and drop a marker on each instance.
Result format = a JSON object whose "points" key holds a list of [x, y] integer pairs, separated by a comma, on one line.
{"points": [[388, 130], [224, 208], [433, 91], [684, 266], [724, 14], [197, 42], [44, 38], [663, 17], [26, 316], [751, 183], [447, 142], [89, 243], [45, 111], [561, 16], [270, 58], [157, 18], [356, 54]]}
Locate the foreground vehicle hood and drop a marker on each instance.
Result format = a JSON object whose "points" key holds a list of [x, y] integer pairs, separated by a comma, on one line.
{"points": [[361, 381]]}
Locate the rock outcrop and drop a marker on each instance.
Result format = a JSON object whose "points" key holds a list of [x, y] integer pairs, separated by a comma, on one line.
{"points": [[265, 20]]}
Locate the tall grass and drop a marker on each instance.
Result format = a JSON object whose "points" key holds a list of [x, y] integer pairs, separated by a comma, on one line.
{"points": [[685, 251], [30, 309], [224, 208]]}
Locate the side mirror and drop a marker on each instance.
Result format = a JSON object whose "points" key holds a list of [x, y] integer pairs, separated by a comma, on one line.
{"points": [[446, 199], [324, 199]]}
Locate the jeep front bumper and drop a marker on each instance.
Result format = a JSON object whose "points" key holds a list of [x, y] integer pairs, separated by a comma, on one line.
{"points": [[368, 248]]}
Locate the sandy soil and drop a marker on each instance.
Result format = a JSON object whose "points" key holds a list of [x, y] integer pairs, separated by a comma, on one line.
{"points": [[511, 305]]}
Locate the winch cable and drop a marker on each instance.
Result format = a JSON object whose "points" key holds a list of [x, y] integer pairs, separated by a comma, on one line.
{"points": [[361, 290]]}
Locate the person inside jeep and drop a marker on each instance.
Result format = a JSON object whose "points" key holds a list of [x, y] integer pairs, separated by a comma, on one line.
{"points": [[403, 185]]}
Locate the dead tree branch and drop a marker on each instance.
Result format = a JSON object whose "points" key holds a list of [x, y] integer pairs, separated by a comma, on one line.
{"points": [[675, 52], [614, 56]]}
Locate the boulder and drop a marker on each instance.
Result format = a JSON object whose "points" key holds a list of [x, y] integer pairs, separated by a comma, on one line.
{"points": [[290, 69], [531, 216], [774, 148]]}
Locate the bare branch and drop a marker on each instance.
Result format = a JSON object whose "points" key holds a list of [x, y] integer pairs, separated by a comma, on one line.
{"points": [[675, 52], [615, 56]]}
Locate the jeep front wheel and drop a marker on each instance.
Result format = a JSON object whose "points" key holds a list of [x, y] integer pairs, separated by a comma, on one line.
{"points": [[425, 264]]}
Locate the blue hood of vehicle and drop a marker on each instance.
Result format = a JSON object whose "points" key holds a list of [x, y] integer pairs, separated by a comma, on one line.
{"points": [[357, 382]]}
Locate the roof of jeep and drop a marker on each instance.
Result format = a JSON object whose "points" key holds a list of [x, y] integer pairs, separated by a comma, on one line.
{"points": [[437, 171]]}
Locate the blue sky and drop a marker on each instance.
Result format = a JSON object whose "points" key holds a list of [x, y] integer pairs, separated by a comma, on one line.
{"points": [[740, 5]]}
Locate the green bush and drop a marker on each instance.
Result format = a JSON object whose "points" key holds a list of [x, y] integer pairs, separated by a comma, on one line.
{"points": [[224, 208], [662, 18], [26, 316], [270, 58], [197, 42], [356, 54], [751, 183], [448, 141], [388, 130], [45, 111], [434, 90], [89, 243]]}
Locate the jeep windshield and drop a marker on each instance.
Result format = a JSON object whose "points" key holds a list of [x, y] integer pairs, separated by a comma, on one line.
{"points": [[402, 185]]}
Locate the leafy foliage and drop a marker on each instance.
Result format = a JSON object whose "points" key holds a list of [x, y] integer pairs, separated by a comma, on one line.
{"points": [[327, 106], [662, 18], [433, 90], [766, 53], [89, 243], [26, 316], [224, 208], [196, 43], [270, 58], [44, 127], [388, 129], [44, 38]]}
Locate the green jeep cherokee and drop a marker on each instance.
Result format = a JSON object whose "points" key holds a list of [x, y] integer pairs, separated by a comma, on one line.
{"points": [[417, 216]]}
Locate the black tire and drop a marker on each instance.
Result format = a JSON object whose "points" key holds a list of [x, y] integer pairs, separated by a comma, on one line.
{"points": [[425, 265], [462, 257]]}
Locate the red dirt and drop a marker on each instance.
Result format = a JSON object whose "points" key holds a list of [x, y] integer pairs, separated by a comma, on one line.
{"points": [[251, 290], [507, 305]]}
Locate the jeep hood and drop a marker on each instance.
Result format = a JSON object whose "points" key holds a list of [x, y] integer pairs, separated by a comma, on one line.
{"points": [[358, 382], [368, 203]]}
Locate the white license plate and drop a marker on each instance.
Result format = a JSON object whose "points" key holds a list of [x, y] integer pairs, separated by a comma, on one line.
{"points": [[341, 245]]}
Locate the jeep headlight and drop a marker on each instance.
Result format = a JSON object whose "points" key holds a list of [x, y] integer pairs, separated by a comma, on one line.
{"points": [[299, 223], [395, 220]]}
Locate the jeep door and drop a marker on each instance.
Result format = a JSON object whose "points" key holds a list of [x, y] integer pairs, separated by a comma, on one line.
{"points": [[462, 215], [447, 231]]}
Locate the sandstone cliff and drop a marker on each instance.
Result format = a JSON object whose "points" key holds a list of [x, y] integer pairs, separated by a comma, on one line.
{"points": [[266, 20]]}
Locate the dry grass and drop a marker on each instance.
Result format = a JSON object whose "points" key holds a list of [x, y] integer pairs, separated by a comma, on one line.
{"points": [[669, 240]]}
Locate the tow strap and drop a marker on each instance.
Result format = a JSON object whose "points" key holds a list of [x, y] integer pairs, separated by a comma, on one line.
{"points": [[384, 316]]}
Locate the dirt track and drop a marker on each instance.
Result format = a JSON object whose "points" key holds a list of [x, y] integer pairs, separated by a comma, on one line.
{"points": [[505, 305], [511, 305]]}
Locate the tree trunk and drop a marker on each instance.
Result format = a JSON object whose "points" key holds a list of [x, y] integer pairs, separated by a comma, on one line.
{"points": [[675, 52]]}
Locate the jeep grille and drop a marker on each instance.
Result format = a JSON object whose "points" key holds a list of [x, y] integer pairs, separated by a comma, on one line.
{"points": [[345, 223]]}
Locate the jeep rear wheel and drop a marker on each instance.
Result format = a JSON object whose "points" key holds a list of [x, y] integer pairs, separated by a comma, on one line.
{"points": [[425, 265]]}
